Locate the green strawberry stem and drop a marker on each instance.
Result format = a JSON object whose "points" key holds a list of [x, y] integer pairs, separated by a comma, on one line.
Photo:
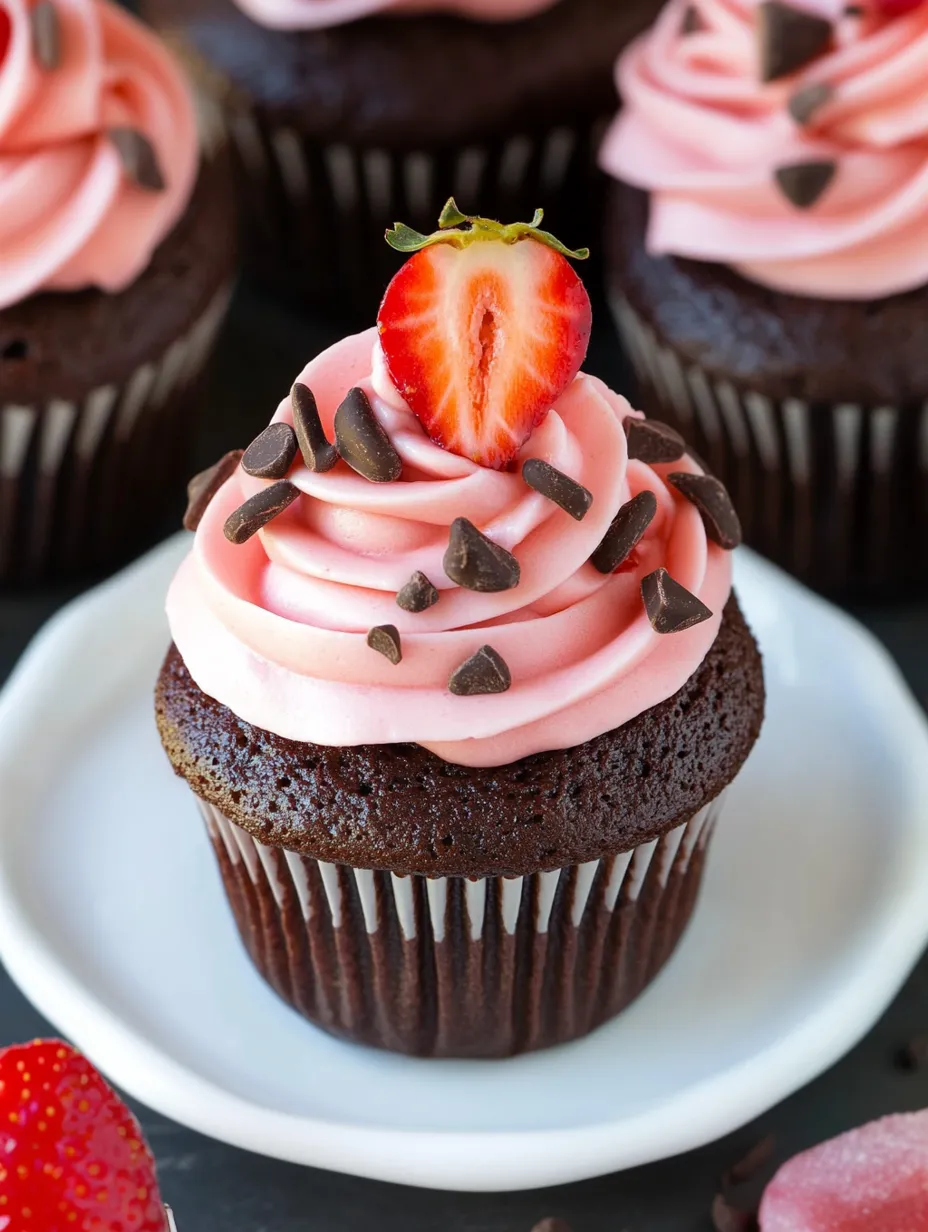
{"points": [[461, 230]]}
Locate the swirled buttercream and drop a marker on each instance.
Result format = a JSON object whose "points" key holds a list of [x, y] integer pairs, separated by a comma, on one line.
{"points": [[316, 14]]}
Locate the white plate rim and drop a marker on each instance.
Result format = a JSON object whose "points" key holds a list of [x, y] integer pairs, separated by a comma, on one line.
{"points": [[476, 1161]]}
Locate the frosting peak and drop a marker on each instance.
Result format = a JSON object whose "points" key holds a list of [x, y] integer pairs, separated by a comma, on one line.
{"points": [[71, 213], [815, 182], [318, 14], [277, 629]]}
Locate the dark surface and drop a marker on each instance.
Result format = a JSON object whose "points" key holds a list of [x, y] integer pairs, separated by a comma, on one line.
{"points": [[783, 346], [216, 1189]]}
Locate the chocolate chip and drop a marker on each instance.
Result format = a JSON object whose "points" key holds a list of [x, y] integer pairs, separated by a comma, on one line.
{"points": [[749, 1165], [418, 594], [363, 443], [477, 563], [913, 1055], [483, 672], [711, 498], [809, 99], [789, 39], [552, 1225], [139, 160], [728, 1218], [385, 639], [651, 441], [692, 21], [258, 510], [803, 183], [854, 10], [318, 454], [270, 455], [571, 496], [625, 532], [671, 607], [46, 35], [203, 487]]}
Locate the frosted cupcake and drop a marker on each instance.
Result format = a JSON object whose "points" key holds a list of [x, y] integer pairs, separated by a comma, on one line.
{"points": [[769, 262], [116, 251], [457, 676], [348, 114]]}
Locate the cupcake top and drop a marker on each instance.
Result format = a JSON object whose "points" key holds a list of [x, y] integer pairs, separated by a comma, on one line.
{"points": [[497, 557], [873, 1179], [317, 14], [98, 146], [787, 140]]}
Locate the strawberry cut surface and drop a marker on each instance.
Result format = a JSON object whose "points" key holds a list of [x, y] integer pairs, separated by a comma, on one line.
{"points": [[72, 1156], [482, 340]]}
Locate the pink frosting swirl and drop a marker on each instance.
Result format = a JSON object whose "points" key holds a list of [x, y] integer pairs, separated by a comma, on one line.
{"points": [[705, 136], [276, 629], [317, 14], [69, 215]]}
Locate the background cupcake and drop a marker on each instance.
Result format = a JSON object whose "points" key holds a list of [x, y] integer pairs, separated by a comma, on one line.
{"points": [[460, 704], [115, 264], [348, 114], [768, 266]]}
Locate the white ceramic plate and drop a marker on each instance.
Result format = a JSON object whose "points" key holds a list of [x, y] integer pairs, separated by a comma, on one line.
{"points": [[112, 920]]}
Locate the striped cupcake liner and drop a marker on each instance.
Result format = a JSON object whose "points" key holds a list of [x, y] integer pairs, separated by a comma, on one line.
{"points": [[315, 214], [79, 479], [456, 967], [835, 493]]}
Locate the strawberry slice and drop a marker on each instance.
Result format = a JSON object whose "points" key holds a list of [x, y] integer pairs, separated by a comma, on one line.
{"points": [[73, 1154], [483, 329]]}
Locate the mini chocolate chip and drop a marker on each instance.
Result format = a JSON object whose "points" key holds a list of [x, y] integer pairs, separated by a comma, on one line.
{"points": [[385, 639], [270, 455], [418, 594], [477, 563], [139, 160], [913, 1055], [625, 532], [728, 1218], [552, 1225], [803, 183], [483, 672], [854, 10], [362, 441], [651, 441], [809, 99], [318, 454], [46, 35], [789, 39], [203, 487], [692, 21], [258, 510], [671, 607], [546, 479], [746, 1168], [710, 496]]}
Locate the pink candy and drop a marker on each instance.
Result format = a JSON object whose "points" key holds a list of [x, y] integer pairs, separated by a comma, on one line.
{"points": [[874, 1179]]}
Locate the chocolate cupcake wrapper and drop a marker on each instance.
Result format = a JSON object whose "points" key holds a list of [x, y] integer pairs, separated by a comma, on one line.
{"points": [[315, 214], [836, 493], [459, 967], [76, 478]]}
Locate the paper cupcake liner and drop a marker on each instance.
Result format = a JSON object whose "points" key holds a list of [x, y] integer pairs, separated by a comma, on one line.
{"points": [[315, 214], [82, 482], [835, 493], [456, 967]]}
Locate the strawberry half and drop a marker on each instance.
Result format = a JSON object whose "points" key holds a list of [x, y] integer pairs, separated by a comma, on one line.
{"points": [[73, 1156], [482, 330]]}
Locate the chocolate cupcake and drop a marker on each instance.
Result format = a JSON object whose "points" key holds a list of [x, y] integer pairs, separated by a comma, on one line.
{"points": [[460, 702], [346, 115], [116, 256], [768, 266]]}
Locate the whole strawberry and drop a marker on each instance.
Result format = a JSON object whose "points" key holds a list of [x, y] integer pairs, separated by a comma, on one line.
{"points": [[482, 330], [73, 1158]]}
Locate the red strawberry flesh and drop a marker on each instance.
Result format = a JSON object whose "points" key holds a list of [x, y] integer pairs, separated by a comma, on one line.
{"points": [[481, 341], [6, 32], [72, 1155]]}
